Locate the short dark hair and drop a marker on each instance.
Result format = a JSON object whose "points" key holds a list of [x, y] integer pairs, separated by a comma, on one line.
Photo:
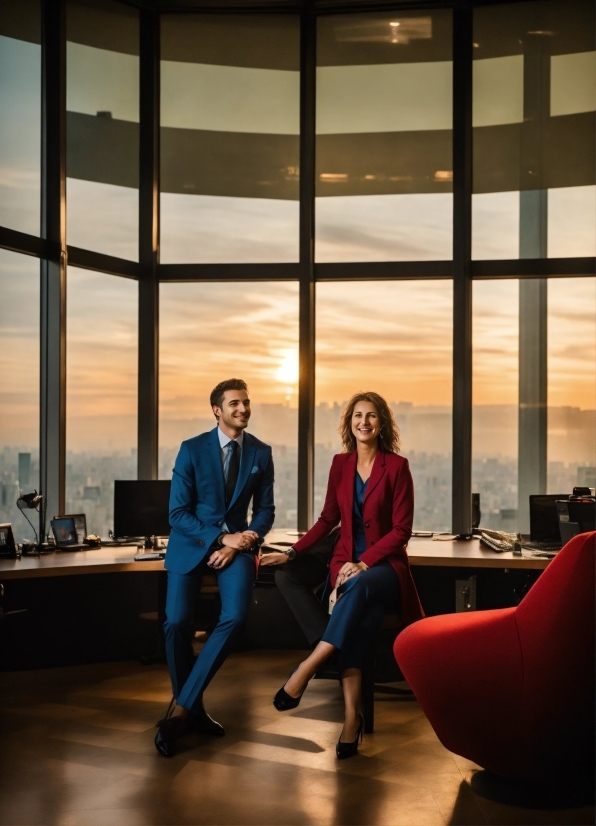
{"points": [[217, 394]]}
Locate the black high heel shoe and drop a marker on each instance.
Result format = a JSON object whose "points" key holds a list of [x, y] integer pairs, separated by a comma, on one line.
{"points": [[344, 750], [169, 731], [283, 701]]}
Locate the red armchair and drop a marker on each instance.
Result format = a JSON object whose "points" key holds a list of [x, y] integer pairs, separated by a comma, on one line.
{"points": [[513, 689]]}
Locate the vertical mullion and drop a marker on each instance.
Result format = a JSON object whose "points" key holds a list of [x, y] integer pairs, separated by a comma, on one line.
{"points": [[148, 332], [306, 383], [52, 443], [462, 283]]}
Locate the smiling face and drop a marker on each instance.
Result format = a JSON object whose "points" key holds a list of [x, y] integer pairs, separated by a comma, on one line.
{"points": [[234, 413], [366, 424]]}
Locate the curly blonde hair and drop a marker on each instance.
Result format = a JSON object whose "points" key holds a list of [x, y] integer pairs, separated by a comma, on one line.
{"points": [[389, 438]]}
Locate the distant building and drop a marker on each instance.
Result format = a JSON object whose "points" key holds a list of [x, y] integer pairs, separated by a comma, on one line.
{"points": [[24, 470]]}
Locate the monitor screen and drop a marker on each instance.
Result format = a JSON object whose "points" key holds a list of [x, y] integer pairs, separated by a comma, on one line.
{"points": [[141, 507], [544, 519]]}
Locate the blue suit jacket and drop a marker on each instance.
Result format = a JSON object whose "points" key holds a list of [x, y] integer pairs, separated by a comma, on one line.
{"points": [[198, 498]]}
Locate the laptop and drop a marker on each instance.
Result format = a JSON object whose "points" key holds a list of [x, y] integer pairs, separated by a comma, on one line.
{"points": [[70, 532], [545, 536]]}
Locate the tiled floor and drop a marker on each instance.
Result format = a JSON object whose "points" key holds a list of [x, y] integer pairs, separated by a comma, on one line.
{"points": [[76, 749]]}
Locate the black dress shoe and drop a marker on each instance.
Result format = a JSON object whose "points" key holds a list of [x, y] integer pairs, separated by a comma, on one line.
{"points": [[283, 701], [202, 723], [169, 731], [344, 750]]}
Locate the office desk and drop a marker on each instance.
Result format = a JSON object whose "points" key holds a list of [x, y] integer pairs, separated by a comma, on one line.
{"points": [[427, 552], [70, 563]]}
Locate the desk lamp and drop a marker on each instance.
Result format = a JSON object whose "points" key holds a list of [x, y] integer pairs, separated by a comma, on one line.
{"points": [[34, 501]]}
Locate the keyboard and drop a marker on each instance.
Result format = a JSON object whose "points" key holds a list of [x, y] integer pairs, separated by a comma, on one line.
{"points": [[495, 543], [543, 547]]}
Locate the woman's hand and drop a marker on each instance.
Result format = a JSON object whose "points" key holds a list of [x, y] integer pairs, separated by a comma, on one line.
{"points": [[274, 558], [349, 570]]}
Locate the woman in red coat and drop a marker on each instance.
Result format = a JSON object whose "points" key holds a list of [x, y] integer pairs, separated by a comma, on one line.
{"points": [[370, 492]]}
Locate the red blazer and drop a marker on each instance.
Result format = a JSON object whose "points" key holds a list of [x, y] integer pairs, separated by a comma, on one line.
{"points": [[387, 512]]}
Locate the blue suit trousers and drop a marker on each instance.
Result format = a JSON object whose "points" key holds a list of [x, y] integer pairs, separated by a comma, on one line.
{"points": [[189, 677], [358, 614]]}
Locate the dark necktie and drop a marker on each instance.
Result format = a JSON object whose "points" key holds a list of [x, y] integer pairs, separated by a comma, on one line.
{"points": [[233, 466]]}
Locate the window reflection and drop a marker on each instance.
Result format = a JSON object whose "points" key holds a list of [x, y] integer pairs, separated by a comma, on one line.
{"points": [[571, 383], [102, 127], [534, 102], [210, 332], [19, 391], [383, 160], [230, 89], [20, 115], [394, 338], [101, 392]]}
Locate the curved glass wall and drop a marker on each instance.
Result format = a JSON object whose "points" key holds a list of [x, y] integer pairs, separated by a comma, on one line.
{"points": [[19, 391], [534, 123], [102, 127], [230, 125], [20, 115], [101, 392], [394, 338], [383, 148]]}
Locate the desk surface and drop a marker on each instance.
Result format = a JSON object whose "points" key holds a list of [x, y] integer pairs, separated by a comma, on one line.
{"points": [[421, 551], [449, 553]]}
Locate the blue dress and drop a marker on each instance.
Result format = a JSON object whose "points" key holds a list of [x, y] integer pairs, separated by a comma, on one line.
{"points": [[357, 521]]}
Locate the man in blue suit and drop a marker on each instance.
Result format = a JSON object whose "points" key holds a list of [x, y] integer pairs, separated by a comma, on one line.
{"points": [[215, 477]]}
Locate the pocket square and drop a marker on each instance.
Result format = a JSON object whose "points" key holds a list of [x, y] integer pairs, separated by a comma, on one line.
{"points": [[255, 469]]}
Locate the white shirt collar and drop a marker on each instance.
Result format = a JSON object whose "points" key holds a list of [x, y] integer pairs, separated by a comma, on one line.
{"points": [[224, 440]]}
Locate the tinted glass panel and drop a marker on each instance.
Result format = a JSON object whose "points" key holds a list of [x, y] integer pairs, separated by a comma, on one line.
{"points": [[230, 90], [571, 383], [212, 332], [534, 130], [384, 160], [102, 159], [19, 391], [394, 338], [101, 392], [20, 114], [495, 337]]}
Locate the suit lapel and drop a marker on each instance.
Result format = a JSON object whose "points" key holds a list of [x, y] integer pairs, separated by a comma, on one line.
{"points": [[247, 455], [376, 474], [215, 458], [348, 481]]}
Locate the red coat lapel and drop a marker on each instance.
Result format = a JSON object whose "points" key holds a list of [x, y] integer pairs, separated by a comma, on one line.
{"points": [[376, 474]]}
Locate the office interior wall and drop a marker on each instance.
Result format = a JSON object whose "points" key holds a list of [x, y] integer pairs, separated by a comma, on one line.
{"points": [[101, 392], [19, 388]]}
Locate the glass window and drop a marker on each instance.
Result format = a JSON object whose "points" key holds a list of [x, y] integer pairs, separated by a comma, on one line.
{"points": [[20, 115], [571, 383], [210, 332], [384, 159], [19, 392], [230, 95], [495, 385], [534, 103], [101, 392], [102, 127], [394, 338]]}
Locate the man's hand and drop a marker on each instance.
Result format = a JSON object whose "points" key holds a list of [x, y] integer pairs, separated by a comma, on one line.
{"points": [[238, 541], [252, 536], [221, 559], [274, 558], [349, 570]]}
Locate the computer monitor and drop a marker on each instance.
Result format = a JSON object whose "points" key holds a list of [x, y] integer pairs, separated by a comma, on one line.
{"points": [[544, 519], [141, 508]]}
